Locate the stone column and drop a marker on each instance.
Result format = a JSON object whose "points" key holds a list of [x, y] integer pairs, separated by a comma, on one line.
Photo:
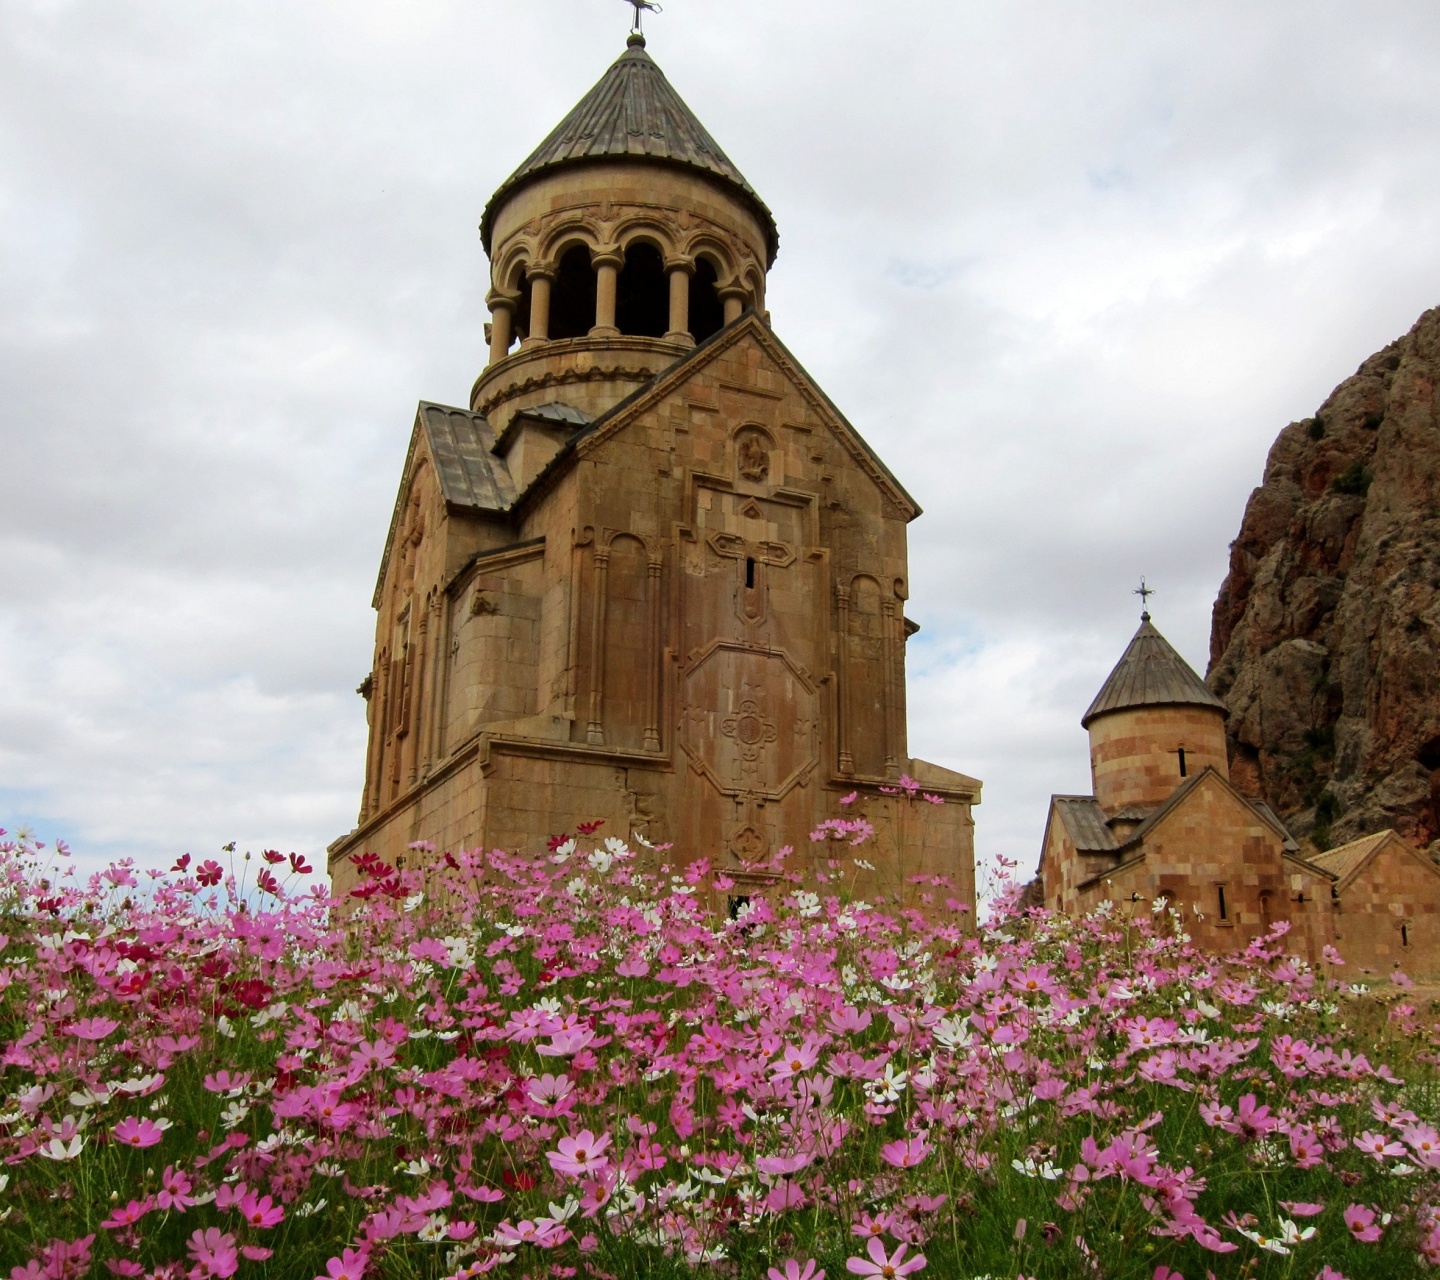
{"points": [[652, 682], [733, 298], [680, 270], [541, 278], [842, 692], [607, 265], [595, 728], [502, 319]]}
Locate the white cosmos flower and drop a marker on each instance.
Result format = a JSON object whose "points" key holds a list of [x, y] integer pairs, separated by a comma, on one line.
{"points": [[57, 1150]]}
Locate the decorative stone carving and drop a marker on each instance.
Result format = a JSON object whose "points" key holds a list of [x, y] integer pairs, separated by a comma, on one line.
{"points": [[752, 456]]}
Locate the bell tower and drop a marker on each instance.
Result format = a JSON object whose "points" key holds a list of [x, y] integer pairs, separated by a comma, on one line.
{"points": [[624, 239]]}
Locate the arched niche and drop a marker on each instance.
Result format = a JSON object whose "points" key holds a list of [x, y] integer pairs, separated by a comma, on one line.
{"points": [[572, 296], [642, 295], [707, 312]]}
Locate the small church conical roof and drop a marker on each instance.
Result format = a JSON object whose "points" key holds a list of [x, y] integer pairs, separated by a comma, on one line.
{"points": [[632, 113], [1150, 674]]}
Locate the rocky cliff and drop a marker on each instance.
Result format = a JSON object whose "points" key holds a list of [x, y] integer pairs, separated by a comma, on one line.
{"points": [[1325, 639]]}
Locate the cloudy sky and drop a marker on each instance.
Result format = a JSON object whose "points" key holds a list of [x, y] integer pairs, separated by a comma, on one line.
{"points": [[1068, 267]]}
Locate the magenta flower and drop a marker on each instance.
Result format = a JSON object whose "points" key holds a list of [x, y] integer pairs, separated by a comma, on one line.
{"points": [[870, 1228], [1361, 1221], [905, 1154], [545, 1233], [140, 1133], [1424, 1142], [885, 1266], [784, 1165], [350, 1265], [1377, 1146], [794, 1060], [214, 1253], [129, 1215], [92, 1028], [793, 1271], [1301, 1208], [175, 1188], [582, 1154], [260, 1211]]}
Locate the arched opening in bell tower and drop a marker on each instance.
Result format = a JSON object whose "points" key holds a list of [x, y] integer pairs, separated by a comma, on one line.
{"points": [[707, 312], [572, 298], [520, 326], [642, 295]]}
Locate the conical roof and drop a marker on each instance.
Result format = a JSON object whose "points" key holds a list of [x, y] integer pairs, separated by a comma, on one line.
{"points": [[1150, 674], [632, 113]]}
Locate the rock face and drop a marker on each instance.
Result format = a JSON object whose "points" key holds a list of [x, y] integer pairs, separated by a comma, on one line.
{"points": [[1325, 638]]}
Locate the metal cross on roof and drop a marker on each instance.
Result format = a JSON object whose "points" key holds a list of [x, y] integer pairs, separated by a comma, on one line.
{"points": [[1144, 593], [640, 7]]}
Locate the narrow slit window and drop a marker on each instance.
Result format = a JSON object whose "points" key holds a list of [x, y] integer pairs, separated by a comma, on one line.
{"points": [[1180, 751], [1404, 935], [1224, 907], [750, 571]]}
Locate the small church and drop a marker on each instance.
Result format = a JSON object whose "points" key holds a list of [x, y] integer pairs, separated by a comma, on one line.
{"points": [[1165, 822], [649, 574]]}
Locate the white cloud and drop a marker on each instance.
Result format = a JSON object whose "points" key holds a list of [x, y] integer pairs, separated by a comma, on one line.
{"points": [[1069, 268]]}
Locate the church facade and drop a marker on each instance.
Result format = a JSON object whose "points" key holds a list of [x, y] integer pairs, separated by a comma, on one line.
{"points": [[1165, 822], [650, 574]]}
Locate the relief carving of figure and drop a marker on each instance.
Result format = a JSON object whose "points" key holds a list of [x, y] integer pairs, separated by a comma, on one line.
{"points": [[752, 458]]}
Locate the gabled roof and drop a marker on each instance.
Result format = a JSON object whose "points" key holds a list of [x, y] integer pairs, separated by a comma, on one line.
{"points": [[1133, 846], [748, 325], [470, 476], [1084, 822], [632, 113], [1346, 861], [1150, 673]]}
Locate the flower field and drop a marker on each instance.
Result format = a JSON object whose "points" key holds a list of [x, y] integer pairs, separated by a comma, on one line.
{"points": [[573, 1067]]}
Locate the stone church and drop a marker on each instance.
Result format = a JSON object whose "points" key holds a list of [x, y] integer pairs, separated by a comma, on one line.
{"points": [[650, 574], [1166, 821]]}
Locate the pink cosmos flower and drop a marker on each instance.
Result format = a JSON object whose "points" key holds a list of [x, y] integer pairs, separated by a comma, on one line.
{"points": [[1361, 1221], [350, 1265], [92, 1028], [545, 1233], [1301, 1208], [175, 1188], [130, 1214], [905, 1154], [256, 1252], [795, 1059], [260, 1211], [1162, 1272], [582, 1154], [227, 1081], [1424, 1142], [1327, 1272], [214, 1253], [870, 1228], [118, 1267], [783, 1197], [1305, 1146], [793, 1271], [784, 1165], [886, 1267], [140, 1133], [1377, 1146]]}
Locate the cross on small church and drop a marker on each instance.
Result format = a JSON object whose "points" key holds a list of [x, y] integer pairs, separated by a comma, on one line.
{"points": [[640, 6], [1144, 593]]}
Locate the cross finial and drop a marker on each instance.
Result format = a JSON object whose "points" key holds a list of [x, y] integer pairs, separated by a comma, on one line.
{"points": [[1144, 593], [640, 6]]}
